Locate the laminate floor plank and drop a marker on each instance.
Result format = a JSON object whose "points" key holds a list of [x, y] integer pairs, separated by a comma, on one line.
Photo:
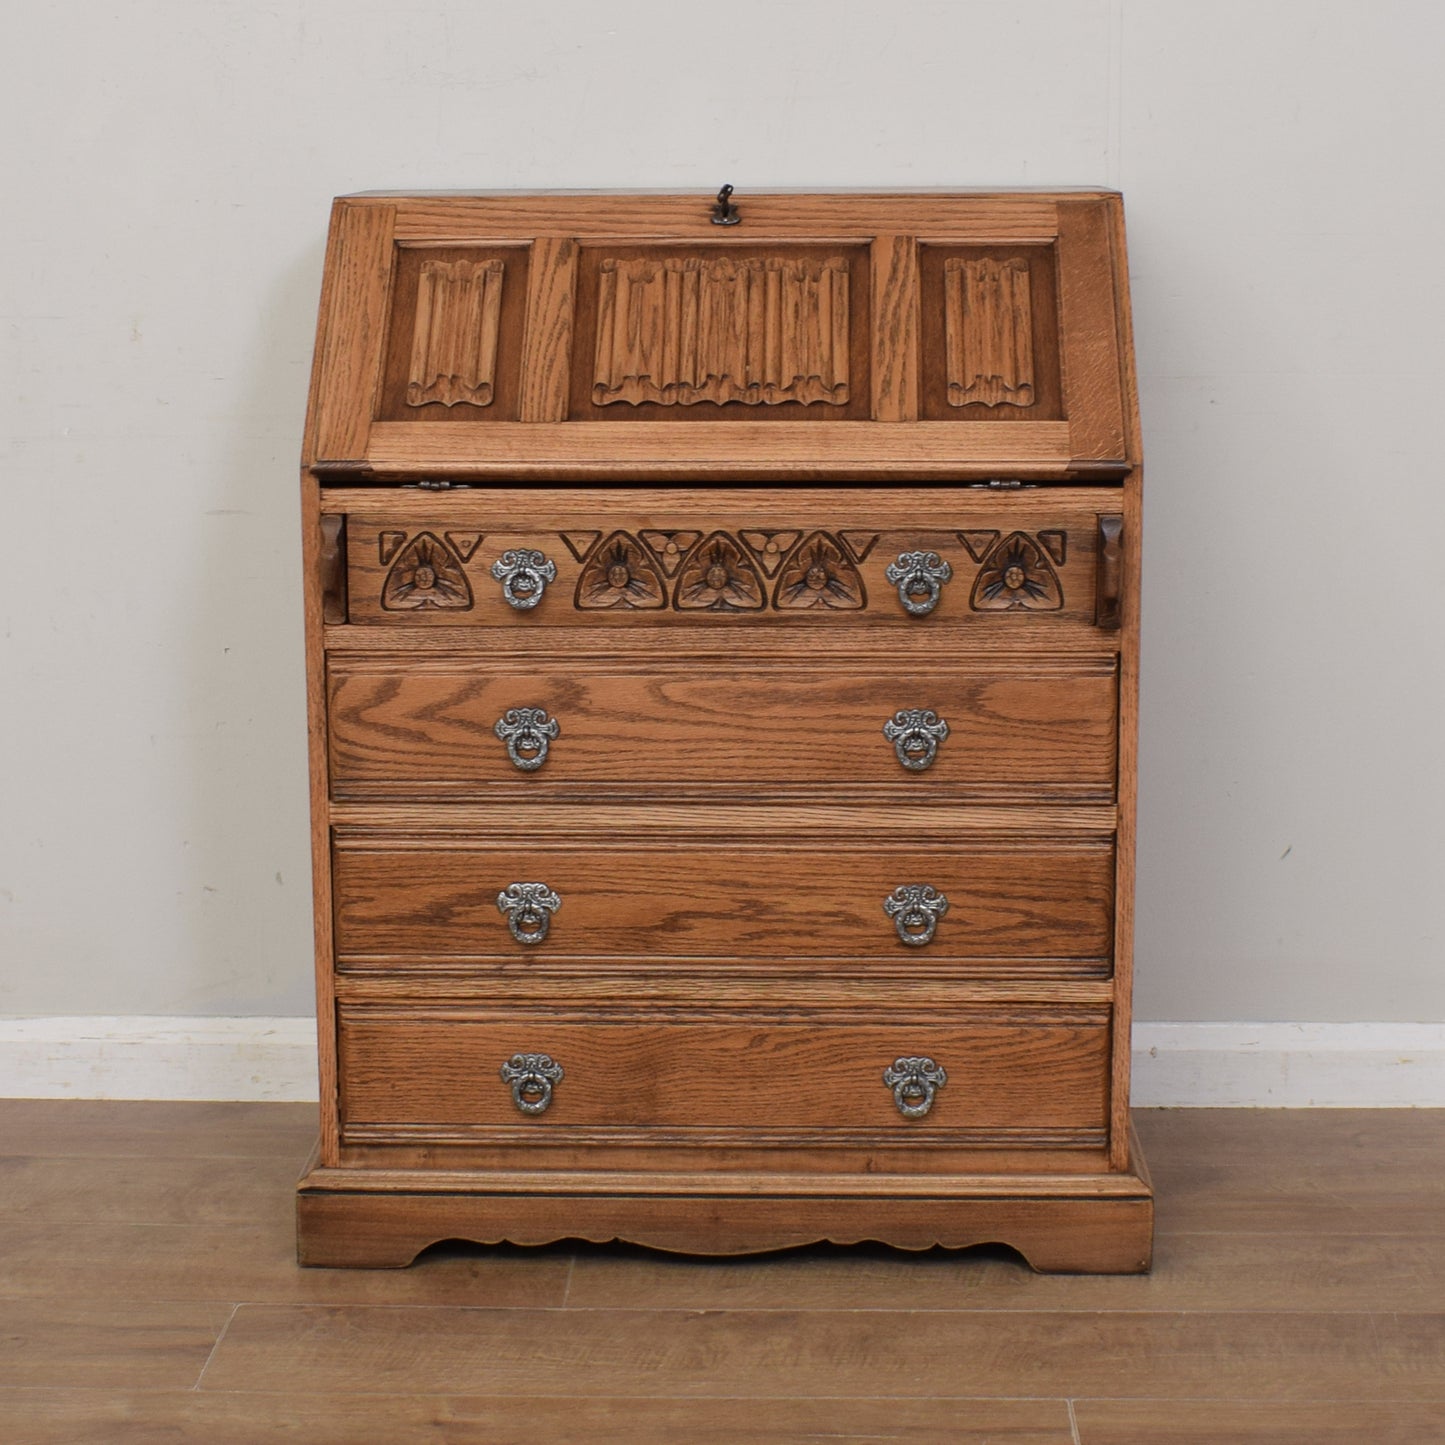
{"points": [[134, 1345], [1291, 1171], [256, 1264], [1225, 1422], [128, 1128], [75, 1417], [798, 1353], [1212, 1272], [164, 1189]]}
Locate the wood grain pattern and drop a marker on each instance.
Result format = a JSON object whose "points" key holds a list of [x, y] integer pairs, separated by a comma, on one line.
{"points": [[683, 329], [989, 330], [99, 1346], [720, 808], [783, 451], [798, 895], [1053, 1232], [1207, 1422], [454, 332], [817, 583], [407, 728], [895, 328], [349, 339], [1088, 325], [1315, 1321], [432, 1068], [547, 345], [127, 1417], [1279, 1357]]}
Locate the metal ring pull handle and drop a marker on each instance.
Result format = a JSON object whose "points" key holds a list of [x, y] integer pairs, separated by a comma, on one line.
{"points": [[532, 1077], [915, 733], [919, 577], [527, 731], [915, 909], [529, 908], [914, 1080], [524, 575]]}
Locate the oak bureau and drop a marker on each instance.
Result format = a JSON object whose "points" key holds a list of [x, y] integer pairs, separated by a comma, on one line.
{"points": [[722, 629]]}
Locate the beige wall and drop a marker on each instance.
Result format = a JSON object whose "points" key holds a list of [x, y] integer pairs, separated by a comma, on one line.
{"points": [[165, 210]]}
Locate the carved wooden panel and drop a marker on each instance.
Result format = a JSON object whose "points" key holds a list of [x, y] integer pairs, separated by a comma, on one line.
{"points": [[726, 567], [620, 574], [426, 573], [679, 330], [989, 325], [719, 577], [1016, 575], [819, 575], [990, 328], [454, 350], [755, 333], [454, 332]]}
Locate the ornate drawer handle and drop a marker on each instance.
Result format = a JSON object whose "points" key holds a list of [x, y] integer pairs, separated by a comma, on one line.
{"points": [[532, 1077], [529, 908], [915, 909], [919, 577], [915, 733], [524, 575], [914, 1081], [526, 732]]}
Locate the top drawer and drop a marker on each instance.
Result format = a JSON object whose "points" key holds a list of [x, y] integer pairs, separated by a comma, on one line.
{"points": [[499, 560]]}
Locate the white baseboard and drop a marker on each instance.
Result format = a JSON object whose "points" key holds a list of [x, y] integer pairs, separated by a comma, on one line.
{"points": [[1289, 1066], [158, 1057], [1274, 1066]]}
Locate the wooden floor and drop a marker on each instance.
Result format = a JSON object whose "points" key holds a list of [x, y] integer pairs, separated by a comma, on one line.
{"points": [[148, 1293]]}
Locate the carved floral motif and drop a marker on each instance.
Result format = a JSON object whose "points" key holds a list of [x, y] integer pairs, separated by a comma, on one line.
{"points": [[1017, 575], [620, 574], [819, 574], [718, 576], [426, 574]]}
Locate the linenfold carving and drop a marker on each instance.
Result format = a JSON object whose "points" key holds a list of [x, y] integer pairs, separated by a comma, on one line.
{"points": [[679, 330], [454, 335], [989, 331]]}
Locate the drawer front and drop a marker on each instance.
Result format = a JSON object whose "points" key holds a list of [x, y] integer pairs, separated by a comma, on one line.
{"points": [[768, 898], [402, 727], [414, 1071], [986, 568]]}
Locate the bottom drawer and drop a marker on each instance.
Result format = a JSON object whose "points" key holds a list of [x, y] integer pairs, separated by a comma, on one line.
{"points": [[452, 1074]]}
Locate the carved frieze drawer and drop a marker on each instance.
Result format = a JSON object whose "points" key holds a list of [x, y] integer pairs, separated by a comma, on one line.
{"points": [[464, 1074], [911, 888], [921, 725], [980, 567]]}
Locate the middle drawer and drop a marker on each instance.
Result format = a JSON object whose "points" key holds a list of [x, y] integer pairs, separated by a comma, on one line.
{"points": [[453, 728], [553, 885]]}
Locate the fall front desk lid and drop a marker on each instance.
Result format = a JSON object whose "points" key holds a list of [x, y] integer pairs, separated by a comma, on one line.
{"points": [[628, 337]]}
